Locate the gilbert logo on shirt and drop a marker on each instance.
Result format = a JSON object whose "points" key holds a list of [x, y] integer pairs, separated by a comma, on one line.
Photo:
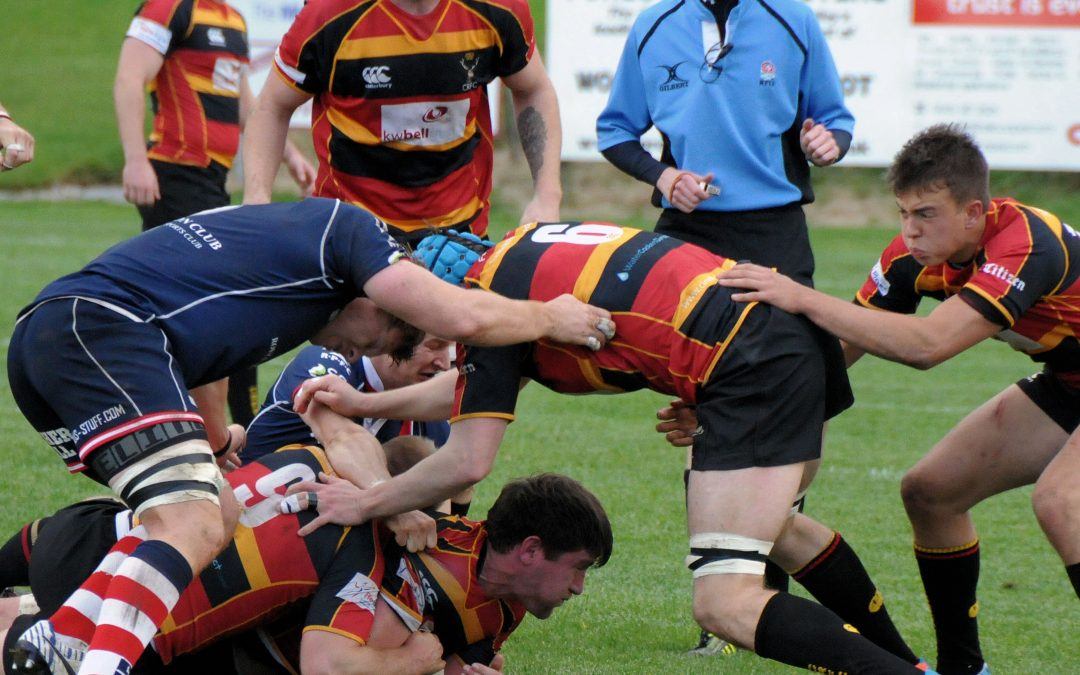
{"points": [[673, 80]]}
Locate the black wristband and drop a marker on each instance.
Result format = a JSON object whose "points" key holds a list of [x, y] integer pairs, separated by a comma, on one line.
{"points": [[225, 448]]}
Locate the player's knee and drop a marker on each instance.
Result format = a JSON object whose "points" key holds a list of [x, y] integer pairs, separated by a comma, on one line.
{"points": [[182, 472], [728, 569], [1057, 507], [920, 491]]}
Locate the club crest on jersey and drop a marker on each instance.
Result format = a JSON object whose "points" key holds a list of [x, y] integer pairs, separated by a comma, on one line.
{"points": [[469, 63], [768, 73]]}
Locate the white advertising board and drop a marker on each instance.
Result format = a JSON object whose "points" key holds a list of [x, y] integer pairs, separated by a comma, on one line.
{"points": [[1007, 69]]}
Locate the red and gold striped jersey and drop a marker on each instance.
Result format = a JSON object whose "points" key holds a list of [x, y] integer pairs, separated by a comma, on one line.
{"points": [[1025, 277], [267, 566], [441, 586], [400, 116], [196, 94], [673, 320]]}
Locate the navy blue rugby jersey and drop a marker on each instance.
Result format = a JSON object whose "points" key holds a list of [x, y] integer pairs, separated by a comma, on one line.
{"points": [[235, 286], [278, 424]]}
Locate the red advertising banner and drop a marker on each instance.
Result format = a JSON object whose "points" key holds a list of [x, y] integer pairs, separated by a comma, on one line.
{"points": [[1012, 13]]}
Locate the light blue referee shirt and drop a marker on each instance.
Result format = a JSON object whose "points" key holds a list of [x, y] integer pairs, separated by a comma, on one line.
{"points": [[739, 118]]}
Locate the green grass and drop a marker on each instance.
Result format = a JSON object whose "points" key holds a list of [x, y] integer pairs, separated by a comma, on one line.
{"points": [[635, 614]]}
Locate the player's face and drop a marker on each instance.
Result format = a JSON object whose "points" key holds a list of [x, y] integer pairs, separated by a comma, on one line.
{"points": [[360, 329], [429, 359], [550, 583], [936, 228]]}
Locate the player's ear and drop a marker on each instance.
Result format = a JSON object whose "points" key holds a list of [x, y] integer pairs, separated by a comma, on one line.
{"points": [[531, 550], [974, 210]]}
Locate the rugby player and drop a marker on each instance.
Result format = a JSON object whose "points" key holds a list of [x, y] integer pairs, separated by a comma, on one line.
{"points": [[365, 605], [756, 375], [184, 305], [1002, 269], [278, 424]]}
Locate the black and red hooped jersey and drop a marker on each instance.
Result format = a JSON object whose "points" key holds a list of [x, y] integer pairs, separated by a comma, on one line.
{"points": [[400, 119], [268, 566], [196, 94], [441, 586], [1025, 277], [673, 320]]}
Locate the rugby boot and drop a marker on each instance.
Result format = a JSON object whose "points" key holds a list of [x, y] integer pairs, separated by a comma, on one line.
{"points": [[42, 651], [711, 645]]}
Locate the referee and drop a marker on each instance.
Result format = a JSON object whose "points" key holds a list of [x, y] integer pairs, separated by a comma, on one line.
{"points": [[745, 94]]}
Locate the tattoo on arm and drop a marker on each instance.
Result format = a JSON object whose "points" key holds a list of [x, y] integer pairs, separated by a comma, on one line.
{"points": [[533, 133]]}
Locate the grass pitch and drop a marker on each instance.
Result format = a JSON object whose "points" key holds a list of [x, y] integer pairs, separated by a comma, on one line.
{"points": [[635, 614]]}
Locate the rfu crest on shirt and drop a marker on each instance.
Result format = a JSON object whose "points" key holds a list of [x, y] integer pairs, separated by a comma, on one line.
{"points": [[470, 62]]}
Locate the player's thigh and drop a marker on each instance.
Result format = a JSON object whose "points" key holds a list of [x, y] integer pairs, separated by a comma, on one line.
{"points": [[764, 404], [106, 377], [1004, 443]]}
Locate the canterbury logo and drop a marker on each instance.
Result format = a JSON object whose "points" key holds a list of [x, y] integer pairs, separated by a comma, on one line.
{"points": [[376, 75]]}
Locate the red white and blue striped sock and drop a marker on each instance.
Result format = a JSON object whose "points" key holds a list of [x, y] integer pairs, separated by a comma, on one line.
{"points": [[142, 592], [78, 616]]}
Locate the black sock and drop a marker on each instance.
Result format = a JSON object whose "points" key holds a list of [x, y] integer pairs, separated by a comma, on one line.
{"points": [[244, 396], [15, 556], [838, 580], [804, 634], [1074, 576], [950, 576]]}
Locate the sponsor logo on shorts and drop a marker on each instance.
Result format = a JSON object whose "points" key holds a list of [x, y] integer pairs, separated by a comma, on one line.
{"points": [[94, 423], [361, 591], [60, 440], [1000, 272], [878, 275]]}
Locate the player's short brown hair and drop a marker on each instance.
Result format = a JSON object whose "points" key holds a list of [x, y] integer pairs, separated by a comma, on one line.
{"points": [[411, 337], [943, 155], [557, 509]]}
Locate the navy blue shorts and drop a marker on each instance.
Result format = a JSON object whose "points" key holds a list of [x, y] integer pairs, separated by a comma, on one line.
{"points": [[86, 376]]}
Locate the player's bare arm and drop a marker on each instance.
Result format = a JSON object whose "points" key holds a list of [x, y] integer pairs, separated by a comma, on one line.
{"points": [[482, 318], [465, 459], [430, 400], [138, 66], [264, 137], [920, 342], [540, 130], [300, 169], [323, 652], [358, 457]]}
